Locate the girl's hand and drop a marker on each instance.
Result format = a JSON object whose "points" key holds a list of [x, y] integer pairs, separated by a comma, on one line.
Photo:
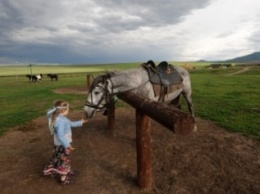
{"points": [[84, 120], [71, 148]]}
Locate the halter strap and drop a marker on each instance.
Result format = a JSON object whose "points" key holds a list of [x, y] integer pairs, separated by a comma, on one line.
{"points": [[105, 97]]}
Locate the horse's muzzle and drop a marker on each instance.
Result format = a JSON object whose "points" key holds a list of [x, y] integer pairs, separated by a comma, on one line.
{"points": [[88, 111]]}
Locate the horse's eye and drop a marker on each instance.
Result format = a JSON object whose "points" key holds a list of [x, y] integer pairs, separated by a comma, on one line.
{"points": [[96, 93]]}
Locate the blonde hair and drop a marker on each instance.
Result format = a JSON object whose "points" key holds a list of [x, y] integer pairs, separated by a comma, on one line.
{"points": [[61, 106]]}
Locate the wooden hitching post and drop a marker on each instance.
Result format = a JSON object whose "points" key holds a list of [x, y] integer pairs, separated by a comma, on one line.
{"points": [[88, 81], [143, 150], [111, 116]]}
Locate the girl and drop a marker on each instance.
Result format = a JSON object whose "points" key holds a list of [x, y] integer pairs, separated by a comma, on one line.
{"points": [[60, 128]]}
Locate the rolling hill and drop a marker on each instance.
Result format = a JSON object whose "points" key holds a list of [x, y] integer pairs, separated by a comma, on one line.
{"points": [[254, 57]]}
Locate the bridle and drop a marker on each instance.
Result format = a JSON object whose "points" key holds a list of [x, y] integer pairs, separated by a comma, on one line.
{"points": [[106, 96]]}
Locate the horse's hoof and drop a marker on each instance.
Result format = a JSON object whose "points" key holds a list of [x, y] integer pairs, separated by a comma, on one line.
{"points": [[195, 128]]}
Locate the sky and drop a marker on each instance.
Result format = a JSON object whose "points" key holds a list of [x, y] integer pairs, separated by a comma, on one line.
{"points": [[118, 31]]}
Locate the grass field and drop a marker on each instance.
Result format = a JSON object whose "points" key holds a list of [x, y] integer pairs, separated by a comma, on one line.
{"points": [[23, 69], [231, 101], [20, 70]]}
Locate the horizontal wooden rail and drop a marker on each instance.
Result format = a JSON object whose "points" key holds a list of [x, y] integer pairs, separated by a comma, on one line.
{"points": [[173, 119]]}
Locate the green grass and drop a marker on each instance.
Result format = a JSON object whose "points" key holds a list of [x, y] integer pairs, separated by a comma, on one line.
{"points": [[18, 70], [230, 101], [23, 69], [22, 101]]}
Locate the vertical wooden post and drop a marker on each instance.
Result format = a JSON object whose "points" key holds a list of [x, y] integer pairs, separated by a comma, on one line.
{"points": [[111, 116], [88, 81], [143, 150]]}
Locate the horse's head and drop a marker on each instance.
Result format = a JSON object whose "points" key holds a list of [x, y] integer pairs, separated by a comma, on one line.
{"points": [[99, 95]]}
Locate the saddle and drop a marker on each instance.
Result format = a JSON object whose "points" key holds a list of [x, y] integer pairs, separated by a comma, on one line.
{"points": [[164, 78], [164, 74]]}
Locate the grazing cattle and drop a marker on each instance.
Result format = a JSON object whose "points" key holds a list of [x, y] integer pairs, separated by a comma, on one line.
{"points": [[227, 65], [29, 76], [34, 78], [215, 66], [53, 76]]}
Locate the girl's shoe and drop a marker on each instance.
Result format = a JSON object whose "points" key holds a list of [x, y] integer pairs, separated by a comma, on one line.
{"points": [[73, 173], [68, 180]]}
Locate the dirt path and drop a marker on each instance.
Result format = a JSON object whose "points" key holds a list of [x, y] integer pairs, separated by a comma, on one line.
{"points": [[240, 71], [210, 160]]}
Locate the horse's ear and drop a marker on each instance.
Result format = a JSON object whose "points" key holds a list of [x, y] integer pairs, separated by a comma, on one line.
{"points": [[108, 74]]}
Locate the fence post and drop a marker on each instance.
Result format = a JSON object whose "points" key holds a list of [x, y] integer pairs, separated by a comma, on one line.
{"points": [[143, 150], [177, 121], [88, 81], [111, 115]]}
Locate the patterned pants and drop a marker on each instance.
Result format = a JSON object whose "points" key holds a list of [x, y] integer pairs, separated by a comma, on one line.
{"points": [[59, 163]]}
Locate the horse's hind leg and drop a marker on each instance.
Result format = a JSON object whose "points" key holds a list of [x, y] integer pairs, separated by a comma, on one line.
{"points": [[188, 99], [176, 102]]}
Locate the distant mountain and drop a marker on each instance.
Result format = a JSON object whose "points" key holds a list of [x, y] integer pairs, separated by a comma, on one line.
{"points": [[254, 57], [201, 61]]}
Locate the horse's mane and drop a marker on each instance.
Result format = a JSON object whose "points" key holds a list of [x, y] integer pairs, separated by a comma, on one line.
{"points": [[100, 79]]}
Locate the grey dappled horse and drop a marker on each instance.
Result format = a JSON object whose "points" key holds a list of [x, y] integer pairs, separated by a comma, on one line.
{"points": [[137, 81]]}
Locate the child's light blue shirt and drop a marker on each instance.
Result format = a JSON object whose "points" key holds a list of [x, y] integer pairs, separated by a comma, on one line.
{"points": [[62, 132]]}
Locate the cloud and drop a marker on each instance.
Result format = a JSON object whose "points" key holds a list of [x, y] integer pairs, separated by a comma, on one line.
{"points": [[88, 31], [219, 33]]}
